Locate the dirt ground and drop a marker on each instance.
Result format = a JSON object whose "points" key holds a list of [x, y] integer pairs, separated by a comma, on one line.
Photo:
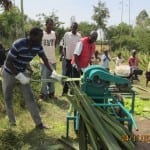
{"points": [[143, 134]]}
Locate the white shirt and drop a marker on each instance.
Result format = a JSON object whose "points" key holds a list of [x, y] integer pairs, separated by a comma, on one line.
{"points": [[48, 43], [119, 61], [104, 61], [70, 41], [78, 48]]}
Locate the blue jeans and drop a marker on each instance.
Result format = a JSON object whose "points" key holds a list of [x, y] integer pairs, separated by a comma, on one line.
{"points": [[8, 84], [46, 87]]}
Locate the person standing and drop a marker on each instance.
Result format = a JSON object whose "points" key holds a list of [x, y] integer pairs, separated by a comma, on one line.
{"points": [[133, 63], [133, 60], [105, 59], [83, 53], [49, 45], [19, 56], [119, 59], [70, 40]]}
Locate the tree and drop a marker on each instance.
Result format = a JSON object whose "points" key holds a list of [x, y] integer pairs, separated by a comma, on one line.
{"points": [[142, 36], [121, 36], [6, 4], [85, 28], [101, 13], [142, 31], [142, 19], [11, 27], [57, 23], [42, 18]]}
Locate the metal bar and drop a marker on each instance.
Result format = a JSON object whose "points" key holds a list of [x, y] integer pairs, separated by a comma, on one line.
{"points": [[54, 80]]}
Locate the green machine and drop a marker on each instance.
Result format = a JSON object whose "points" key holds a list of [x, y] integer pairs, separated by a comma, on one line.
{"points": [[96, 81], [106, 89]]}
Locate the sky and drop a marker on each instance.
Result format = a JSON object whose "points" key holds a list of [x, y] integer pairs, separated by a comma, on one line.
{"points": [[83, 9]]}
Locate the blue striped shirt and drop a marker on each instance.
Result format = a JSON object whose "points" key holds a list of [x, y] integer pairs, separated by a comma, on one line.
{"points": [[22, 54]]}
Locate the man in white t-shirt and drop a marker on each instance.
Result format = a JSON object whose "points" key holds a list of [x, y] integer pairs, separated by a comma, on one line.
{"points": [[70, 40], [119, 59], [49, 45]]}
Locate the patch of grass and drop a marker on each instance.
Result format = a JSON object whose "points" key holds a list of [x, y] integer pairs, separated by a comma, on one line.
{"points": [[141, 107], [53, 112]]}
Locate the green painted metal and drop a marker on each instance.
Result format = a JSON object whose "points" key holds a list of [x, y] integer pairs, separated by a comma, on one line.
{"points": [[99, 84]]}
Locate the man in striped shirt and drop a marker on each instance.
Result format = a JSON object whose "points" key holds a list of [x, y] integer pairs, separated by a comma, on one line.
{"points": [[20, 54]]}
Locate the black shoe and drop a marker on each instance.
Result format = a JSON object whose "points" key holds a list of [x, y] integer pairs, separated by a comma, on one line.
{"points": [[41, 126]]}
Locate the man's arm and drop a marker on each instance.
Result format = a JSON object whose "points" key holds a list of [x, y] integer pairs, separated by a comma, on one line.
{"points": [[10, 64], [76, 58], [47, 64], [18, 75], [77, 52], [54, 74]]}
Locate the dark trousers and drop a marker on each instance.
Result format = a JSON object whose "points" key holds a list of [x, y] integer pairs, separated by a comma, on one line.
{"points": [[68, 73], [76, 74]]}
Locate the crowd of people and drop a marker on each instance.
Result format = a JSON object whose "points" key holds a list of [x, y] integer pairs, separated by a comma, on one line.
{"points": [[76, 53], [43, 43]]}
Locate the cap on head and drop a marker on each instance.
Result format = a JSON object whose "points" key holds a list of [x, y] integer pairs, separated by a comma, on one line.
{"points": [[93, 33], [93, 36], [133, 51]]}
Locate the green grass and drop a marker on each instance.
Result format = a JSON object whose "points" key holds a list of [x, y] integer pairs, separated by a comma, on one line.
{"points": [[141, 107], [53, 112]]}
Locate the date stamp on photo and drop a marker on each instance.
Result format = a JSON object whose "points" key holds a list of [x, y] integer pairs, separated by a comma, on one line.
{"points": [[136, 138]]}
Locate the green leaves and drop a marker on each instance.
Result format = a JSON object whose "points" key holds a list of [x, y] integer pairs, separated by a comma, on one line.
{"points": [[102, 129]]}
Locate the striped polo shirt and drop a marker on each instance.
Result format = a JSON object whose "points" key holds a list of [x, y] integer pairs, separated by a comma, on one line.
{"points": [[22, 54]]}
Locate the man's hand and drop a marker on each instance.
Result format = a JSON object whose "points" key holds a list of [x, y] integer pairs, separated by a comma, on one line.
{"points": [[22, 78], [57, 76]]}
